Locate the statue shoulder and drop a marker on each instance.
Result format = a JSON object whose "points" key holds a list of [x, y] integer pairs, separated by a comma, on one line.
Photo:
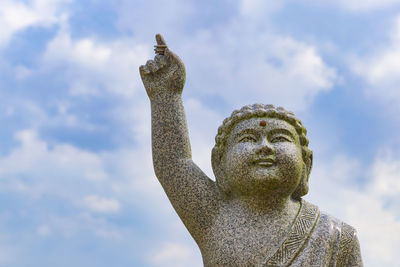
{"points": [[347, 246]]}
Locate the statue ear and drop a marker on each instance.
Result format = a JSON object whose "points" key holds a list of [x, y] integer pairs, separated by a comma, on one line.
{"points": [[308, 161], [219, 172], [302, 188]]}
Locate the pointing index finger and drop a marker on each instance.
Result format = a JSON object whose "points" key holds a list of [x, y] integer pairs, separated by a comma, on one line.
{"points": [[160, 40], [161, 45]]}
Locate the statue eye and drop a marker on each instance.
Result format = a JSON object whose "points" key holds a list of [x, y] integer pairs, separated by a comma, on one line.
{"points": [[280, 138], [247, 138]]}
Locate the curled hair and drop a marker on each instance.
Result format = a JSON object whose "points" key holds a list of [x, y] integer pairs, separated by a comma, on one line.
{"points": [[270, 111]]}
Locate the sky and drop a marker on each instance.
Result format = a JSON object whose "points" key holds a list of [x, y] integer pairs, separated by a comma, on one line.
{"points": [[77, 187]]}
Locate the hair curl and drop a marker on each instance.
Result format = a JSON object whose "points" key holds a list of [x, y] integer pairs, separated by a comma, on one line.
{"points": [[270, 111]]}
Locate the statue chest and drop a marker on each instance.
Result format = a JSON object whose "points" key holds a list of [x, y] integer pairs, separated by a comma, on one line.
{"points": [[234, 240]]}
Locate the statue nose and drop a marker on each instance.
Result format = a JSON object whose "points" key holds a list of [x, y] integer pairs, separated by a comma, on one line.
{"points": [[265, 147]]}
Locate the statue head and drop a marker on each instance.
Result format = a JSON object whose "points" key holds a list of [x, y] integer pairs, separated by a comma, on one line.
{"points": [[275, 115]]}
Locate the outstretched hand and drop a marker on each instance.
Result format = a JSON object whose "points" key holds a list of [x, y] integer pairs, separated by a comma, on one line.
{"points": [[165, 74]]}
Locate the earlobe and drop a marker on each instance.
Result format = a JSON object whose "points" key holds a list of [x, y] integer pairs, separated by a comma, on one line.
{"points": [[302, 188], [308, 166], [307, 171], [309, 163]]}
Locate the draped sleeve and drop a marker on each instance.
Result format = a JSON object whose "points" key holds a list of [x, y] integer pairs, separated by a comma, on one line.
{"points": [[349, 248]]}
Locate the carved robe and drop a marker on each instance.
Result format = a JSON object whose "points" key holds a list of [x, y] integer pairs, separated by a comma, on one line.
{"points": [[317, 239]]}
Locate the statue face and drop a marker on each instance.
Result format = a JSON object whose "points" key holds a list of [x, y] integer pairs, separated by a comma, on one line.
{"points": [[262, 156]]}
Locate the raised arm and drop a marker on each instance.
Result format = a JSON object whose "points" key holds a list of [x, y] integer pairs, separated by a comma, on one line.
{"points": [[192, 194]]}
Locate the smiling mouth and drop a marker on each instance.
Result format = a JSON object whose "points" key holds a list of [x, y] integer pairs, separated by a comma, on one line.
{"points": [[265, 162]]}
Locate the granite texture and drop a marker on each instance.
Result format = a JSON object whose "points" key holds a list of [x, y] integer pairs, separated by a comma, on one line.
{"points": [[253, 214]]}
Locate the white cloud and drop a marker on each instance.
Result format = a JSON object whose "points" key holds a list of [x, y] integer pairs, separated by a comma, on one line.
{"points": [[81, 223], [365, 5], [174, 254], [35, 168], [83, 52], [80, 180], [378, 229], [43, 230], [244, 66], [93, 65], [376, 213], [330, 178], [22, 72], [355, 5], [99, 181], [386, 173], [257, 8], [61, 173], [62, 161], [147, 18], [253, 8], [102, 205], [7, 255], [16, 16], [381, 69]]}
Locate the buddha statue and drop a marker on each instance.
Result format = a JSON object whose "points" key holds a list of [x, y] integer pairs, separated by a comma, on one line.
{"points": [[253, 213]]}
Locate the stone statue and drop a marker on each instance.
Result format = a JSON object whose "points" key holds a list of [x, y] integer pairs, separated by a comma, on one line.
{"points": [[253, 214]]}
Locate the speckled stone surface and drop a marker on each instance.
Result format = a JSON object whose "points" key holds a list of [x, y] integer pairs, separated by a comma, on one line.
{"points": [[253, 214]]}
